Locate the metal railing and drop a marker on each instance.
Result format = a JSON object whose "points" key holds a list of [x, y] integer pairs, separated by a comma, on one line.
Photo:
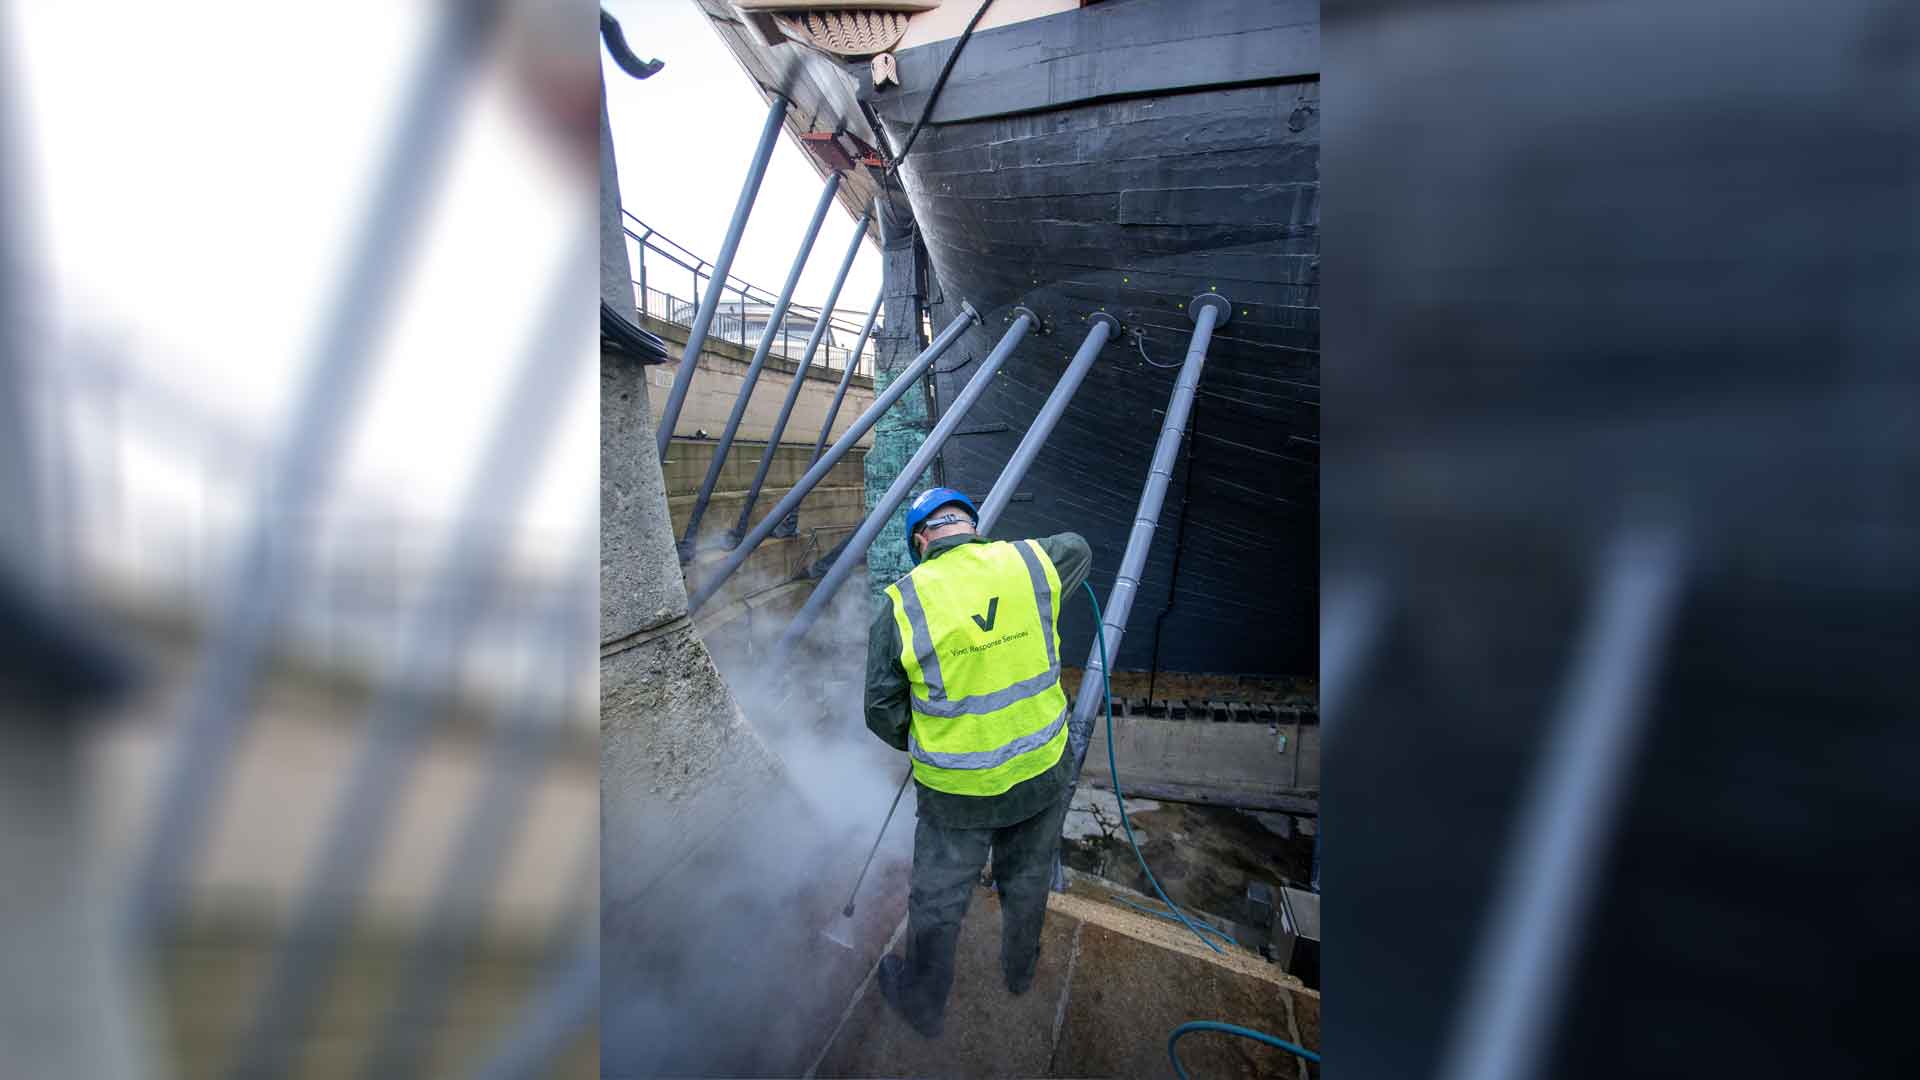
{"points": [[669, 286], [158, 554]]}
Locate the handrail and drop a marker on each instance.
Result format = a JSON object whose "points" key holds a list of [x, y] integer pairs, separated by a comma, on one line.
{"points": [[737, 311]]}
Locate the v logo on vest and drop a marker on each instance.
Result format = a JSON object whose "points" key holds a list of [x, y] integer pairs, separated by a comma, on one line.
{"points": [[993, 608]]}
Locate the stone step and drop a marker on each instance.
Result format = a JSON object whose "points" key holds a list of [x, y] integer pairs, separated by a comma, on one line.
{"points": [[823, 508], [687, 461], [721, 374]]}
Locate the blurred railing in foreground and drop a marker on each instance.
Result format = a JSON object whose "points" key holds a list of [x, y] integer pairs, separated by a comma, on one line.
{"points": [[151, 488], [390, 870], [149, 492], [669, 283]]}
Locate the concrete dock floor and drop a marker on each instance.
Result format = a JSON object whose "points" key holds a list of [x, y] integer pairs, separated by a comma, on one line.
{"points": [[1110, 988]]}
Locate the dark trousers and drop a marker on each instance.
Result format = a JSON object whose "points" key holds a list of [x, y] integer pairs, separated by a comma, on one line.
{"points": [[946, 865]]}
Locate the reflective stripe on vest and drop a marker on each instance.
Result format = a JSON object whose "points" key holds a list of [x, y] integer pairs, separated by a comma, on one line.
{"points": [[979, 642]]}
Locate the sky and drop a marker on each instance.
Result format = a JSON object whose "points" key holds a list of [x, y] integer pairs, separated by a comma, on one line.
{"points": [[199, 216], [684, 138], [196, 219]]}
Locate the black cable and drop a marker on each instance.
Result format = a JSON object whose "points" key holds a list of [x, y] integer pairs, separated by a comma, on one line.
{"points": [[622, 55], [938, 84], [873, 121], [1179, 546], [628, 338], [964, 361], [1139, 342]]}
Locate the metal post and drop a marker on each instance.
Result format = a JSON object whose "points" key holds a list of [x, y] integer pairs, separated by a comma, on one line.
{"points": [[642, 253], [260, 582], [461, 590], [775, 321], [846, 377], [519, 752], [1207, 310], [1532, 929], [697, 333], [799, 382], [894, 391], [1103, 327], [862, 539]]}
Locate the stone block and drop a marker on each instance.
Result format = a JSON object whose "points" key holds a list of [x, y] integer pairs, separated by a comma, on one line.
{"points": [[637, 589]]}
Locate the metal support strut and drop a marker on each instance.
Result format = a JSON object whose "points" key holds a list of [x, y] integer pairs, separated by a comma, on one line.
{"points": [[894, 391], [703, 318], [799, 381], [1208, 310], [1041, 429], [214, 714], [846, 377], [395, 727], [775, 320], [883, 510]]}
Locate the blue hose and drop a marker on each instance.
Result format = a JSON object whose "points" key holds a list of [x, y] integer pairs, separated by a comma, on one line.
{"points": [[1113, 770], [1231, 1029], [1145, 910]]}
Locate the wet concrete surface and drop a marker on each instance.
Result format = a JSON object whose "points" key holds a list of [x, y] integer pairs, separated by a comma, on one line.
{"points": [[989, 1032], [1128, 995], [1110, 989]]}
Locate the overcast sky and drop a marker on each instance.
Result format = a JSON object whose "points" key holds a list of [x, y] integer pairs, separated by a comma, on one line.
{"points": [[198, 216], [684, 138]]}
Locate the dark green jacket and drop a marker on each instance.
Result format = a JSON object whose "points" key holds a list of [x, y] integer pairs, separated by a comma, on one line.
{"points": [[889, 715]]}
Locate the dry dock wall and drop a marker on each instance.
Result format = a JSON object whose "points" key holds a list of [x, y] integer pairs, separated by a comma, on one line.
{"points": [[722, 371], [1254, 766], [677, 758], [707, 913]]}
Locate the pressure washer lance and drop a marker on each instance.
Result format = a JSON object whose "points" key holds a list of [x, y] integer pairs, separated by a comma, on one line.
{"points": [[838, 935]]}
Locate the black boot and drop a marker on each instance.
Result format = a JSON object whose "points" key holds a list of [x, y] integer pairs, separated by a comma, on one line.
{"points": [[892, 970]]}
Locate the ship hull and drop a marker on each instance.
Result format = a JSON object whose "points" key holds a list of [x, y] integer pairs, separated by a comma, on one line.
{"points": [[1130, 192]]}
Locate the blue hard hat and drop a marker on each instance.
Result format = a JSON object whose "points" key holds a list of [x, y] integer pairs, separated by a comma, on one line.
{"points": [[930, 500]]}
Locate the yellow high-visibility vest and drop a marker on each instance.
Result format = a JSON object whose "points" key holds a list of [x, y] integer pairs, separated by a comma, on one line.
{"points": [[980, 643]]}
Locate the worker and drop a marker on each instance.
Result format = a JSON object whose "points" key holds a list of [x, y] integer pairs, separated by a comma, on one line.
{"points": [[963, 673]]}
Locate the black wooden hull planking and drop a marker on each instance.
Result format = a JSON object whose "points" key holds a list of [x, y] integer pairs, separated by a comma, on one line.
{"points": [[1132, 202]]}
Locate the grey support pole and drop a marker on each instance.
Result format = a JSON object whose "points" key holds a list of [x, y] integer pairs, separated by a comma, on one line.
{"points": [[262, 580], [697, 333], [1207, 310], [395, 727], [517, 755], [1016, 470], [846, 378], [1533, 929], [799, 380], [894, 391], [775, 319], [856, 548]]}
